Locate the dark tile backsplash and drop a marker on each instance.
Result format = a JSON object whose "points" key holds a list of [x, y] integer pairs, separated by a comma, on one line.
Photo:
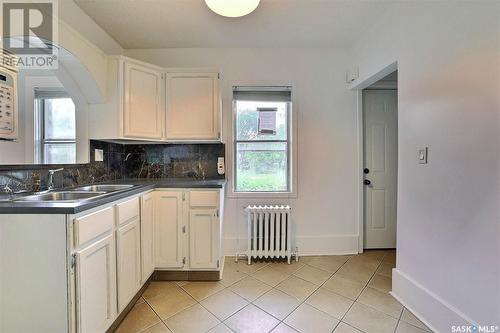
{"points": [[150, 161]]}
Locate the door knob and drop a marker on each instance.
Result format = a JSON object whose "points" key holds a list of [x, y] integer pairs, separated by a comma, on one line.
{"points": [[367, 182]]}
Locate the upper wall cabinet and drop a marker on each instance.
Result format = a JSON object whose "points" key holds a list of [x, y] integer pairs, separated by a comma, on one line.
{"points": [[134, 109], [192, 106], [142, 110], [150, 103]]}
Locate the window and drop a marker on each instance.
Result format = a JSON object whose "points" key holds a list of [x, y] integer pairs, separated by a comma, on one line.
{"points": [[262, 139], [55, 133]]}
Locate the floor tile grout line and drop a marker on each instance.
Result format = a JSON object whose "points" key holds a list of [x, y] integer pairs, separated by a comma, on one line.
{"points": [[366, 285], [152, 309]]}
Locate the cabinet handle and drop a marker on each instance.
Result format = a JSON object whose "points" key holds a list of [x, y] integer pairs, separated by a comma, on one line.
{"points": [[73, 260], [183, 229]]}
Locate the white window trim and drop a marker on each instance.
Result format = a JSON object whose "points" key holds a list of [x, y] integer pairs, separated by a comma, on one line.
{"points": [[39, 112], [230, 149]]}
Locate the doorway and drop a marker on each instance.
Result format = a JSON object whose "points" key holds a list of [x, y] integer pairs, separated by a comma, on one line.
{"points": [[380, 169]]}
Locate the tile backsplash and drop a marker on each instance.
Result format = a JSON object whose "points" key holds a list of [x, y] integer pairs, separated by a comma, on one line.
{"points": [[124, 161]]}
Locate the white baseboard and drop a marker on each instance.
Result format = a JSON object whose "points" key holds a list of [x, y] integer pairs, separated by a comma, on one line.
{"points": [[308, 245], [433, 311]]}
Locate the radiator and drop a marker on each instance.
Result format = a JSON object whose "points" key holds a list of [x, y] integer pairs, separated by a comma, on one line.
{"points": [[269, 232]]}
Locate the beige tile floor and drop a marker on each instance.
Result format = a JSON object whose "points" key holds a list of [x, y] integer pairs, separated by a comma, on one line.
{"points": [[341, 294]]}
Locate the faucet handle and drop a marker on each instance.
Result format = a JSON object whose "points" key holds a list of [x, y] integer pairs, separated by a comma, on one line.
{"points": [[6, 189], [53, 171]]}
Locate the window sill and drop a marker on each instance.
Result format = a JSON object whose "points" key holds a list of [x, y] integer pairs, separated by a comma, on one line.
{"points": [[261, 195]]}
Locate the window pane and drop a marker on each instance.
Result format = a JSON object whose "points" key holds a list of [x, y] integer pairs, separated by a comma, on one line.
{"points": [[59, 118], [59, 153], [262, 167], [247, 120]]}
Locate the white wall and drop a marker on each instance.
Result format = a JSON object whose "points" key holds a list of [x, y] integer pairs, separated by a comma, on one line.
{"points": [[325, 209], [448, 260]]}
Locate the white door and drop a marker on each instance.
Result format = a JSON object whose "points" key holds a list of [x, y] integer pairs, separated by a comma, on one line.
{"points": [[380, 117], [96, 286], [168, 224], [143, 115], [147, 235], [192, 106], [203, 238], [129, 262]]}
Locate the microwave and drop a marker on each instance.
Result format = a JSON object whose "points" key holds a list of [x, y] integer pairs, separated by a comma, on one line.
{"points": [[8, 104]]}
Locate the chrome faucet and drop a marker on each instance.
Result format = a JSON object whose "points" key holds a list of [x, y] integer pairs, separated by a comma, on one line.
{"points": [[6, 189], [50, 182]]}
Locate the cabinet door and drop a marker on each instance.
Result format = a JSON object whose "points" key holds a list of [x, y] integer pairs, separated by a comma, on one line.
{"points": [[129, 262], [96, 286], [143, 115], [147, 234], [168, 220], [203, 238], [192, 106]]}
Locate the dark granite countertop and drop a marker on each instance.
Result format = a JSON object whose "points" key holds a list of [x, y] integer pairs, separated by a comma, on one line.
{"points": [[140, 185]]}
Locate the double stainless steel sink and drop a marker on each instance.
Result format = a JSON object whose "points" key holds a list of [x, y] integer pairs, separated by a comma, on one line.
{"points": [[76, 194]]}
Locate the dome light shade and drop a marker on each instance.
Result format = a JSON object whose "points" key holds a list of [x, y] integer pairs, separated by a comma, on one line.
{"points": [[233, 8]]}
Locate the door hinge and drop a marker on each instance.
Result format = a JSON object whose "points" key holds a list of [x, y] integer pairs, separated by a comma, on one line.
{"points": [[183, 196], [183, 229], [218, 135], [217, 213], [184, 260], [73, 261], [218, 263]]}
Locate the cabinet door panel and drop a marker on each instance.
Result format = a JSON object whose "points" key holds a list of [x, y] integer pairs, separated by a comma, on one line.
{"points": [[192, 111], [143, 115], [129, 262], [168, 220], [147, 235], [203, 238], [96, 286]]}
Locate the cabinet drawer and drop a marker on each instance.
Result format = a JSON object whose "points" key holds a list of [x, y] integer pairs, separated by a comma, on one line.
{"points": [[127, 211], [204, 198], [93, 225]]}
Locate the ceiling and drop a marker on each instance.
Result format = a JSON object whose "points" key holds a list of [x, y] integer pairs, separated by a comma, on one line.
{"points": [[137, 24]]}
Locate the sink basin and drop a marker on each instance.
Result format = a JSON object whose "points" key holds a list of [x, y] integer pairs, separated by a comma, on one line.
{"points": [[103, 188], [62, 196]]}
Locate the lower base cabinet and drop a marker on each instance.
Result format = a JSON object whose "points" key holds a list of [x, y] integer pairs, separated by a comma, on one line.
{"points": [[96, 286], [203, 239], [188, 229], [90, 265], [128, 262]]}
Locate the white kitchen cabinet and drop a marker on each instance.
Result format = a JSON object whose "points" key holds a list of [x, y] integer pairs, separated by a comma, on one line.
{"points": [[128, 262], [134, 109], [90, 265], [187, 229], [142, 109], [147, 236], [204, 238], [169, 228], [96, 286], [192, 106]]}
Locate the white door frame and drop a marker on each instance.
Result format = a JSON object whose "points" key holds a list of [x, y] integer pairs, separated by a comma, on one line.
{"points": [[358, 87]]}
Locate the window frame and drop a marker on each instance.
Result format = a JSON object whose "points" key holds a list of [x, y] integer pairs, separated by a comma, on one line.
{"points": [[290, 179], [40, 139]]}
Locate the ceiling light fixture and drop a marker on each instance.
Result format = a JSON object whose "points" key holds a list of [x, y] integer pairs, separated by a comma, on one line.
{"points": [[233, 8]]}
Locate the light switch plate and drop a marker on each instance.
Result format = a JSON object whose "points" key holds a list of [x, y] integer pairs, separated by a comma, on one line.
{"points": [[422, 155], [99, 155]]}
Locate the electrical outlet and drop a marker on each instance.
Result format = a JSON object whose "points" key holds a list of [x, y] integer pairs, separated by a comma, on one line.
{"points": [[99, 155], [220, 166]]}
